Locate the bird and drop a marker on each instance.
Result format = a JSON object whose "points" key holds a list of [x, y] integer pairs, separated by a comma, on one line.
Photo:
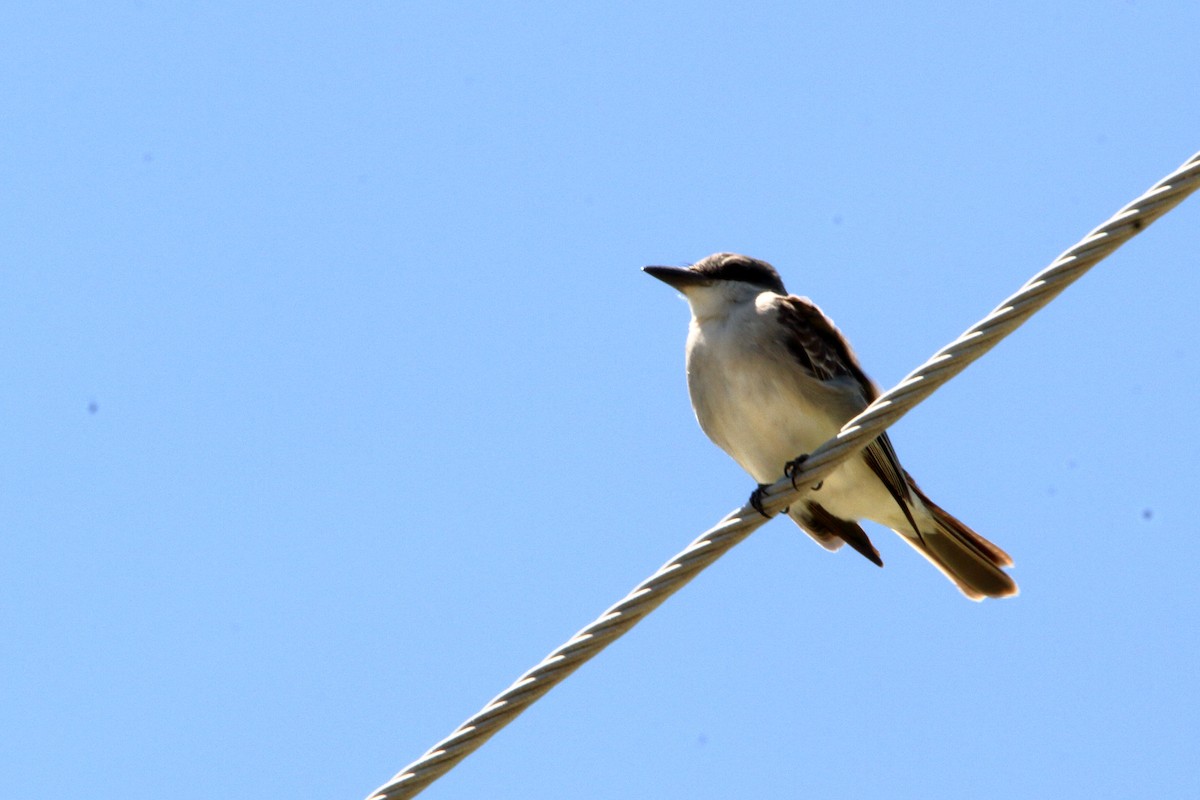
{"points": [[770, 379]]}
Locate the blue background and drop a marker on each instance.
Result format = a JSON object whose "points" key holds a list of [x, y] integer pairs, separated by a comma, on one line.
{"points": [[333, 397]]}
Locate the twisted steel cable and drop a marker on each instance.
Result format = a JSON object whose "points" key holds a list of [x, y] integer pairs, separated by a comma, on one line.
{"points": [[856, 434]]}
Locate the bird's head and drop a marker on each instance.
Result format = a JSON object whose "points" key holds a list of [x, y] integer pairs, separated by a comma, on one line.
{"points": [[712, 284]]}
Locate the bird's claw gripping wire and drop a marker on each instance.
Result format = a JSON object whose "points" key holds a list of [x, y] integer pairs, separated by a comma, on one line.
{"points": [[792, 467], [756, 499]]}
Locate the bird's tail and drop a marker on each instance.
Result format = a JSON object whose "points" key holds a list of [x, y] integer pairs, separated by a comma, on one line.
{"points": [[971, 561]]}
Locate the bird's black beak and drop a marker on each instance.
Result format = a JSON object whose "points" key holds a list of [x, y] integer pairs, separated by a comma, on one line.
{"points": [[680, 278]]}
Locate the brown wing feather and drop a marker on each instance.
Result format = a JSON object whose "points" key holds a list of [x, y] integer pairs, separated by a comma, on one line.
{"points": [[824, 353], [818, 345]]}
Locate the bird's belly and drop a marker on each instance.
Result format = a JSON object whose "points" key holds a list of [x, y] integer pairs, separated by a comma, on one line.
{"points": [[759, 418], [764, 426], [758, 406]]}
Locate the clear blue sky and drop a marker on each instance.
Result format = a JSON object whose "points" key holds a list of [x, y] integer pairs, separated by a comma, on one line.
{"points": [[333, 397]]}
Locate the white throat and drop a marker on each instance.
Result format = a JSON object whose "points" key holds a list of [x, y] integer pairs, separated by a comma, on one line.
{"points": [[721, 298]]}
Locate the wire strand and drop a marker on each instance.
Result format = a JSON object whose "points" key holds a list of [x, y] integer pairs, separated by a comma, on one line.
{"points": [[856, 434]]}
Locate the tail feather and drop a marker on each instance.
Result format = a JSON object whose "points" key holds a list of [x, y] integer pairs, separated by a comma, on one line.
{"points": [[831, 532], [971, 561]]}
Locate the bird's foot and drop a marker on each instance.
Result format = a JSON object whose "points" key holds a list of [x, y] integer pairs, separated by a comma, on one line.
{"points": [[792, 467], [756, 499]]}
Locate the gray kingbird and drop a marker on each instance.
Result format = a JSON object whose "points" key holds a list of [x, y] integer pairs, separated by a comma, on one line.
{"points": [[771, 379]]}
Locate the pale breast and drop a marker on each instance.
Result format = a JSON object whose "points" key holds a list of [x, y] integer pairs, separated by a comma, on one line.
{"points": [[753, 399]]}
